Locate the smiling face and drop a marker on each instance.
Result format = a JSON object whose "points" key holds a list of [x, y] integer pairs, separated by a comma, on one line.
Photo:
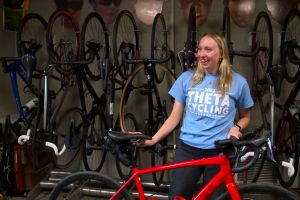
{"points": [[209, 55], [202, 8]]}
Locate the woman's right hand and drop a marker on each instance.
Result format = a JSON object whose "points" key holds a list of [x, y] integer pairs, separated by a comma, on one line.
{"points": [[143, 142]]}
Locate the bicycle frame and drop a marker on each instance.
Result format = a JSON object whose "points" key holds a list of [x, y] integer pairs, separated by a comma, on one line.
{"points": [[224, 175], [16, 69]]}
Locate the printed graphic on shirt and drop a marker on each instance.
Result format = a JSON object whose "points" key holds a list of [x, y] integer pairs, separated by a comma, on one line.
{"points": [[208, 102]]}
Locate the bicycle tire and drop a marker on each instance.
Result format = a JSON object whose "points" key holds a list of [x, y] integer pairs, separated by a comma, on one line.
{"points": [[226, 27], [286, 149], [63, 127], [32, 29], [263, 34], [290, 30], [159, 43], [125, 38], [93, 160], [97, 34], [82, 183], [261, 64], [191, 42], [262, 191], [128, 89], [63, 40], [124, 171]]}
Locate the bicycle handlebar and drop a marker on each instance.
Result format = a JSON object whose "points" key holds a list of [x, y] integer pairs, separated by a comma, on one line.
{"points": [[289, 47], [247, 53], [22, 139], [28, 62], [92, 51], [147, 60]]}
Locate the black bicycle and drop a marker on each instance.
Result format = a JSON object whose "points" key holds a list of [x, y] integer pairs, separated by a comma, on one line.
{"points": [[144, 95]]}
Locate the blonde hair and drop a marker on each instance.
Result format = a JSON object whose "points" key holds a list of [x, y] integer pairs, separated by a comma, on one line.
{"points": [[225, 68]]}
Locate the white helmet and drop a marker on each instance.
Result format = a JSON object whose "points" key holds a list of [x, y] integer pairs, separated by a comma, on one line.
{"points": [[146, 10], [242, 11]]}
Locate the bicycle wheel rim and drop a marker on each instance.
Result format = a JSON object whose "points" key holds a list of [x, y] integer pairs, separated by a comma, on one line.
{"points": [[63, 40], [93, 159], [94, 30], [32, 30], [290, 30], [125, 39]]}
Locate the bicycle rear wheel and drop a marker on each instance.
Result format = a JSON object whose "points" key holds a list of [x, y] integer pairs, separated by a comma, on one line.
{"points": [[290, 31], [87, 185], [94, 30], [262, 191], [159, 43], [70, 124], [31, 35], [93, 158], [286, 149], [126, 41], [63, 40]]}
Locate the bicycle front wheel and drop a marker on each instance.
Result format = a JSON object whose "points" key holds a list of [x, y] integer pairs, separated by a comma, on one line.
{"points": [[258, 191], [63, 40], [31, 33], [94, 31], [290, 31], [125, 41], [159, 43], [87, 185]]}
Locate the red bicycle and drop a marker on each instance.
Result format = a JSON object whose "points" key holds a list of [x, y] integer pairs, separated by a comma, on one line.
{"points": [[93, 185]]}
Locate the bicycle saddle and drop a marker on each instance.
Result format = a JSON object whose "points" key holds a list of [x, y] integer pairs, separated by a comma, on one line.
{"points": [[277, 73], [29, 63], [123, 137]]}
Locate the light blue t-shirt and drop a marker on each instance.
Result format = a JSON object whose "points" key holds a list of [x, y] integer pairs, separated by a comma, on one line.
{"points": [[209, 115]]}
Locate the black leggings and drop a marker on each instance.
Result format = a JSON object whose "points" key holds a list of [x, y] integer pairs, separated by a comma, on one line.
{"points": [[184, 180]]}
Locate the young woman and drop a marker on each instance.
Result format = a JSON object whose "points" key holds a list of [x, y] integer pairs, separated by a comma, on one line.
{"points": [[208, 97]]}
